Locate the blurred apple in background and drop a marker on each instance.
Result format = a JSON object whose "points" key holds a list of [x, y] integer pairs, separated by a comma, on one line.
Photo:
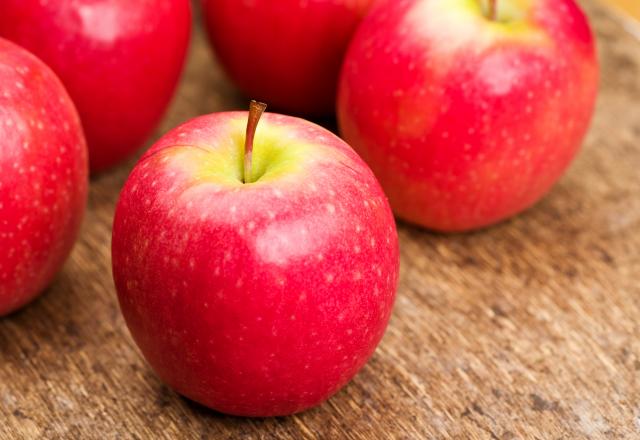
{"points": [[467, 115], [258, 295], [120, 60], [285, 52], [43, 176]]}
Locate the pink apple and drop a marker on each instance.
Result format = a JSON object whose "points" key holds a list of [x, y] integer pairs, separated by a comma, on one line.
{"points": [[119, 59], [43, 176], [467, 120], [260, 298], [286, 52]]}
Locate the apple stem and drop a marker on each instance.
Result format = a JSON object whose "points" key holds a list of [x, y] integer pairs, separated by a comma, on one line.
{"points": [[256, 109], [493, 10]]}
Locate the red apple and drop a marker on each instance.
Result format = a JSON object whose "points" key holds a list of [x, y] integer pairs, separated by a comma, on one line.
{"points": [[43, 176], [119, 59], [260, 298], [286, 52], [467, 120]]}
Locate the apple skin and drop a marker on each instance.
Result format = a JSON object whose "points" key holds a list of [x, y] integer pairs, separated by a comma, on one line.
{"points": [[287, 53], [466, 130], [120, 60], [43, 176], [258, 299]]}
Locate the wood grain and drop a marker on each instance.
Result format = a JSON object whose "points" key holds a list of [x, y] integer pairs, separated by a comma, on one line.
{"points": [[526, 330], [632, 7]]}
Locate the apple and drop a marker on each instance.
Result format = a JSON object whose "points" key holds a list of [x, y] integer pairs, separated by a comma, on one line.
{"points": [[43, 176], [120, 60], [256, 290], [467, 114], [286, 52]]}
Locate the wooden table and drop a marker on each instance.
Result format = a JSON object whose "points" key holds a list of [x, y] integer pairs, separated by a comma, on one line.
{"points": [[631, 7], [530, 329]]}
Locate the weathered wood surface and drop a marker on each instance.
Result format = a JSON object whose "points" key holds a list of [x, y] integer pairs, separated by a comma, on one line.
{"points": [[530, 329]]}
